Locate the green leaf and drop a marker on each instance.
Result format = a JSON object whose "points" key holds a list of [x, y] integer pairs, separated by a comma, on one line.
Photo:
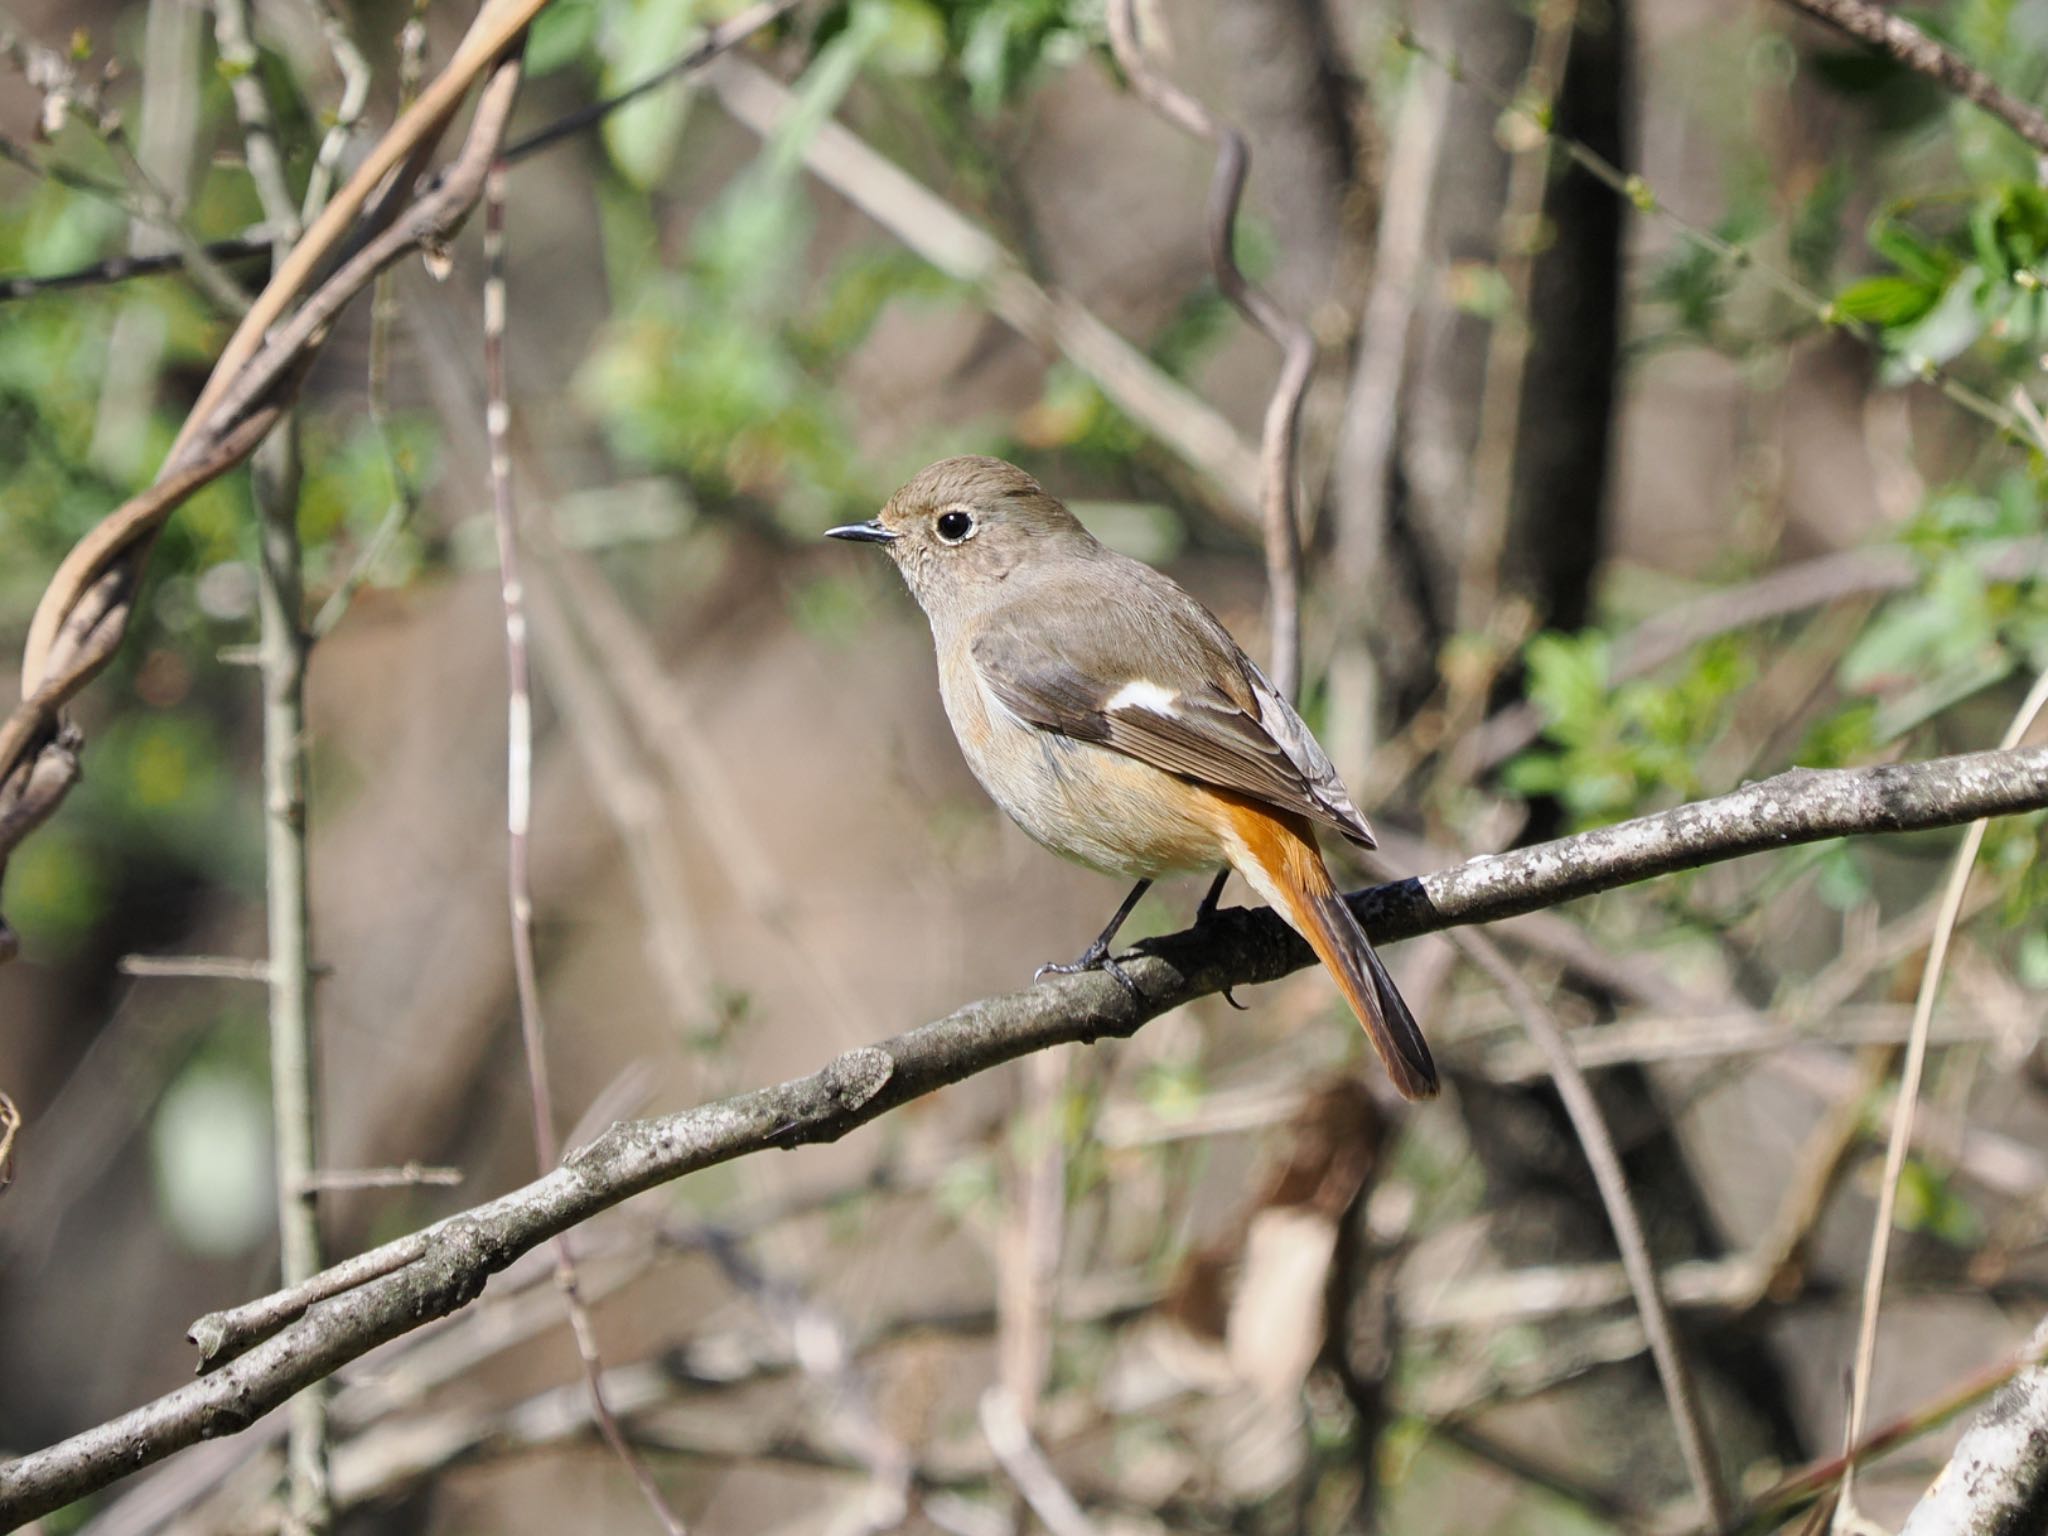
{"points": [[1568, 679], [1948, 329], [1887, 301], [560, 34], [1928, 1203], [1534, 775], [1912, 255], [912, 43], [1923, 635]]}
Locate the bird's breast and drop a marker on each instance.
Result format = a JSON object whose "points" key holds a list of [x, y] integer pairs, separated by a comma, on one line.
{"points": [[1084, 802]]}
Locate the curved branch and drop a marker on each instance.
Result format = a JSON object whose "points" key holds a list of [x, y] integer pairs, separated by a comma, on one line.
{"points": [[1279, 438], [281, 1344]]}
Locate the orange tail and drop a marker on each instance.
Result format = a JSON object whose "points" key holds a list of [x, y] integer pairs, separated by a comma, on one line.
{"points": [[1277, 855]]}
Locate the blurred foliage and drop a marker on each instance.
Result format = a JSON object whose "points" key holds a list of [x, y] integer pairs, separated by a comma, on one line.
{"points": [[1615, 747], [1954, 261]]}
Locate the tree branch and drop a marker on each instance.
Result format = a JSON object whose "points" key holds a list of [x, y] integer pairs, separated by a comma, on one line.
{"points": [[1918, 52], [1997, 1480], [446, 1266]]}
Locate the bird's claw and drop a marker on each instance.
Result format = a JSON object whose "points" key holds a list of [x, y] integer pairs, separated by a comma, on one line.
{"points": [[1205, 914], [1095, 959]]}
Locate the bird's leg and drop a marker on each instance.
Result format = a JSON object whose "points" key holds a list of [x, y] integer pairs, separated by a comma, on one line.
{"points": [[1207, 911], [1096, 956]]}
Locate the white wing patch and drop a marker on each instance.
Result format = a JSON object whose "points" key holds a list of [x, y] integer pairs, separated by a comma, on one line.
{"points": [[1142, 695]]}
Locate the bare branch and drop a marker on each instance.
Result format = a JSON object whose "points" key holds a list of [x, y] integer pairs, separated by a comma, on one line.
{"points": [[1913, 48], [1997, 1480], [404, 1176], [259, 128], [195, 967], [119, 269], [1597, 1142], [1009, 1438], [10, 1124], [348, 112], [713, 42]]}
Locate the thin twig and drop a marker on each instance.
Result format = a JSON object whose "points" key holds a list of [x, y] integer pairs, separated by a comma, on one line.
{"points": [[348, 112], [1908, 1100], [1782, 593], [714, 42], [1518, 236], [1771, 1507], [1279, 517], [66, 96], [1009, 1440], [195, 967], [1362, 561], [10, 1127], [1695, 1444], [405, 496], [119, 269], [1644, 198], [260, 153], [828, 1357], [518, 824], [588, 687], [1707, 1033], [348, 60], [1030, 1236], [405, 1176], [283, 650]]}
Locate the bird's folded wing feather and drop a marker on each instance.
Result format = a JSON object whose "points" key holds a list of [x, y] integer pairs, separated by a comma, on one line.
{"points": [[1204, 712]]}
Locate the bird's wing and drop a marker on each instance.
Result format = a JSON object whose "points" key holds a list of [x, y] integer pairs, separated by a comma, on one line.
{"points": [[1155, 676]]}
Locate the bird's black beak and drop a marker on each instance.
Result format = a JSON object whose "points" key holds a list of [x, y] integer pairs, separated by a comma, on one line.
{"points": [[869, 532]]}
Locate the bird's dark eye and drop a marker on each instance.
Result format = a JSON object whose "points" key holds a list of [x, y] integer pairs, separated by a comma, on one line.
{"points": [[955, 525]]}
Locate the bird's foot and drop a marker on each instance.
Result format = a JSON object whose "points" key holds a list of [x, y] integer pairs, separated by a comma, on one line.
{"points": [[1096, 957], [1205, 914]]}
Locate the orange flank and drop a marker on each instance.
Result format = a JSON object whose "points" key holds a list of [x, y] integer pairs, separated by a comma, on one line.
{"points": [[1276, 853]]}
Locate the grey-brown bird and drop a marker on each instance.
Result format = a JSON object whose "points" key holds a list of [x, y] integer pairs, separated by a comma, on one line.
{"points": [[1114, 719]]}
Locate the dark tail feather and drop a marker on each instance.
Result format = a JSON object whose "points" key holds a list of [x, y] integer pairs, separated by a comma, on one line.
{"points": [[1277, 855], [1400, 1024]]}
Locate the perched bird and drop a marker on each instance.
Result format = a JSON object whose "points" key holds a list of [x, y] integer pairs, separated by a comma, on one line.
{"points": [[1115, 720]]}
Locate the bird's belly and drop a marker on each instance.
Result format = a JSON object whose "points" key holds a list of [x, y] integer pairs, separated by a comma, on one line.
{"points": [[1095, 806]]}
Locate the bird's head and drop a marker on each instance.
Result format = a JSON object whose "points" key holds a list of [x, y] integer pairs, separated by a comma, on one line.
{"points": [[964, 526]]}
